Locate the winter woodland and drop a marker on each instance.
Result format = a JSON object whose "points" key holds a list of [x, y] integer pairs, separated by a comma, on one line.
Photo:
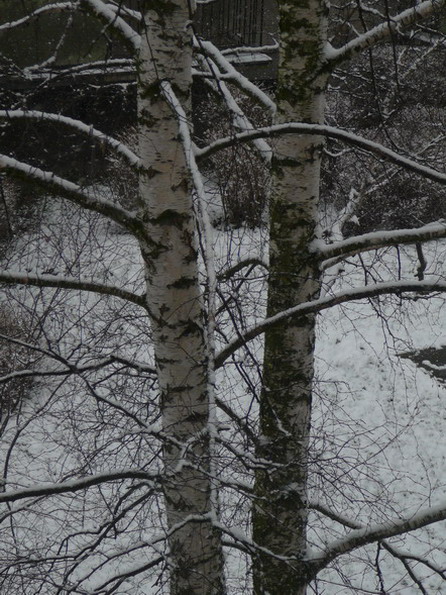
{"points": [[222, 321]]}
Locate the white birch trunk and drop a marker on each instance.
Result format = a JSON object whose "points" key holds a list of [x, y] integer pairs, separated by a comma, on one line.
{"points": [[280, 512], [174, 300]]}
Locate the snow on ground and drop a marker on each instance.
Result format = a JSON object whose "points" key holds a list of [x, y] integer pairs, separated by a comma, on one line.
{"points": [[378, 447], [390, 415]]}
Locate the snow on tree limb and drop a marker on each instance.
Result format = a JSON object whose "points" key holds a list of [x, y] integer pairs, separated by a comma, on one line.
{"points": [[56, 7], [108, 14], [236, 77], [131, 158], [69, 369], [68, 487], [379, 239], [403, 556], [76, 194], [398, 288], [119, 8], [110, 17], [239, 118], [371, 534], [36, 280], [329, 131], [382, 31]]}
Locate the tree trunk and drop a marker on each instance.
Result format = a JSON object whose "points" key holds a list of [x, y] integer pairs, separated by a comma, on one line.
{"points": [[174, 301], [280, 511]]}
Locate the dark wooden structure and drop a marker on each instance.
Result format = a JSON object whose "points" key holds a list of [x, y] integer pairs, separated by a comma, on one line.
{"points": [[232, 23], [248, 24], [242, 23], [239, 23]]}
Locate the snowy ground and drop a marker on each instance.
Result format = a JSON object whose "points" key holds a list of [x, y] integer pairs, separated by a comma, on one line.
{"points": [[378, 446], [390, 418]]}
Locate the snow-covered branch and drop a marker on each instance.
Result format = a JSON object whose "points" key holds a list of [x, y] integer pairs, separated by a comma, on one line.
{"points": [[125, 10], [383, 31], [110, 17], [328, 131], [370, 291], [403, 556], [234, 76], [36, 280], [75, 485], [239, 118], [62, 187], [367, 535], [379, 239], [131, 158], [73, 369], [56, 7]]}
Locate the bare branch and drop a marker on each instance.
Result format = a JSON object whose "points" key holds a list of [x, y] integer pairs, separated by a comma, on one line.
{"points": [[236, 268], [128, 573], [74, 369], [16, 277], [334, 516]]}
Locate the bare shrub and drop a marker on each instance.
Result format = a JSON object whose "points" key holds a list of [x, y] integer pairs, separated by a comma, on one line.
{"points": [[120, 180], [14, 356], [19, 209], [241, 176]]}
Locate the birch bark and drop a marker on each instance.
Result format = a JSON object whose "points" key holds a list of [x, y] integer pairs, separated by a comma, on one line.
{"points": [[174, 300], [280, 510]]}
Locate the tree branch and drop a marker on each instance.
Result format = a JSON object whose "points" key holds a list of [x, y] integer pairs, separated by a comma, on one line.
{"points": [[76, 194], [368, 535], [226, 274], [131, 158], [13, 277], [68, 487], [382, 32], [74, 369], [57, 7], [242, 82], [379, 239], [398, 288], [318, 130], [403, 557], [111, 18]]}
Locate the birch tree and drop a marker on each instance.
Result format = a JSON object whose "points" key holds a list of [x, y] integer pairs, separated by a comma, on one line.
{"points": [[163, 467]]}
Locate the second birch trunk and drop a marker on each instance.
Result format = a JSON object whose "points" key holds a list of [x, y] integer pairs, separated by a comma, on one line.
{"points": [[280, 509]]}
